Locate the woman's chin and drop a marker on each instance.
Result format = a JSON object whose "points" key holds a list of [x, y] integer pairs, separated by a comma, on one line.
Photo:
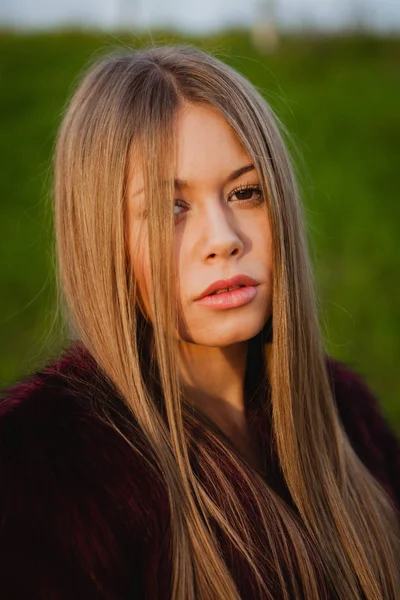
{"points": [[224, 336]]}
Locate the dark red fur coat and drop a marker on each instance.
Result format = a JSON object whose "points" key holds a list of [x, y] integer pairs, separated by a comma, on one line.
{"points": [[81, 516]]}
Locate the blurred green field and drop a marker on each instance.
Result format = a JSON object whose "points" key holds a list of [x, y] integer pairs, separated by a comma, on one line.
{"points": [[339, 98]]}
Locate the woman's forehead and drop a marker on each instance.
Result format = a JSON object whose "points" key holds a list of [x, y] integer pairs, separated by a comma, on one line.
{"points": [[207, 146], [207, 151]]}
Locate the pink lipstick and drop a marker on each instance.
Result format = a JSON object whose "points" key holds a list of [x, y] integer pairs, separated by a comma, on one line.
{"points": [[229, 293]]}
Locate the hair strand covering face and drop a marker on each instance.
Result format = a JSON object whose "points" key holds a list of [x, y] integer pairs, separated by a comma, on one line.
{"points": [[346, 529]]}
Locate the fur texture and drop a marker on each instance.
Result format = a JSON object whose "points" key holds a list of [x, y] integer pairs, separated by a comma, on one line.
{"points": [[82, 517]]}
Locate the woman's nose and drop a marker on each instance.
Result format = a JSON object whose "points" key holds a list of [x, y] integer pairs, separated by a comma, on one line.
{"points": [[221, 235]]}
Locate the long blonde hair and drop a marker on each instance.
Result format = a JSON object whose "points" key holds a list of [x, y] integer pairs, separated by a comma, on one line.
{"points": [[344, 530]]}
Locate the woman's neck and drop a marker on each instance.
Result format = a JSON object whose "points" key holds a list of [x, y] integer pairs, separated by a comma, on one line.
{"points": [[214, 378]]}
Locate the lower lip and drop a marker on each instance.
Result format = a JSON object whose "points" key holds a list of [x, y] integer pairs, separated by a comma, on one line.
{"points": [[231, 299]]}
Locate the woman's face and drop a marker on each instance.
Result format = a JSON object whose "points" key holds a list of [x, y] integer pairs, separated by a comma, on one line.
{"points": [[221, 231]]}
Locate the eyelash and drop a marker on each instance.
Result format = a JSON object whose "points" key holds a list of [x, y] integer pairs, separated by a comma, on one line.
{"points": [[249, 186], [252, 201]]}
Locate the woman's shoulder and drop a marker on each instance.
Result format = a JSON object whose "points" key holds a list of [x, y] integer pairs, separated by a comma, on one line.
{"points": [[51, 388], [47, 411], [74, 495], [55, 408], [363, 419], [69, 389], [55, 415], [57, 412]]}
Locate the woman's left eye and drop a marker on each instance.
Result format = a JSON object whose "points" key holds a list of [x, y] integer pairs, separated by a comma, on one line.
{"points": [[248, 193]]}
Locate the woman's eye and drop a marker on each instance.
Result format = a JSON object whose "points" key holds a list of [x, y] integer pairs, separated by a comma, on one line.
{"points": [[250, 193], [177, 208]]}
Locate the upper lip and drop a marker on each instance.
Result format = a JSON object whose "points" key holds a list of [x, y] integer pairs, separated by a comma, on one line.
{"points": [[223, 284]]}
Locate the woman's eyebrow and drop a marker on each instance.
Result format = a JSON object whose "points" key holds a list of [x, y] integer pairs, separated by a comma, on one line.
{"points": [[181, 184], [236, 174]]}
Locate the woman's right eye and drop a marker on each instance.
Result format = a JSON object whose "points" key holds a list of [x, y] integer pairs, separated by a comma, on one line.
{"points": [[178, 205]]}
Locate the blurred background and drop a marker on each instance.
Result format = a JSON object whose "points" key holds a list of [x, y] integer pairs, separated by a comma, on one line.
{"points": [[330, 70]]}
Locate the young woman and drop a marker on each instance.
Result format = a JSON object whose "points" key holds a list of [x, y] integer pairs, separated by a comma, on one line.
{"points": [[194, 441]]}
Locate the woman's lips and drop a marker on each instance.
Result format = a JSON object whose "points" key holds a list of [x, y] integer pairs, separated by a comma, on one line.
{"points": [[231, 299], [232, 282]]}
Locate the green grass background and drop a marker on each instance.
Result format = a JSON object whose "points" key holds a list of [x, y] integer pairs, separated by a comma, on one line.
{"points": [[339, 98]]}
